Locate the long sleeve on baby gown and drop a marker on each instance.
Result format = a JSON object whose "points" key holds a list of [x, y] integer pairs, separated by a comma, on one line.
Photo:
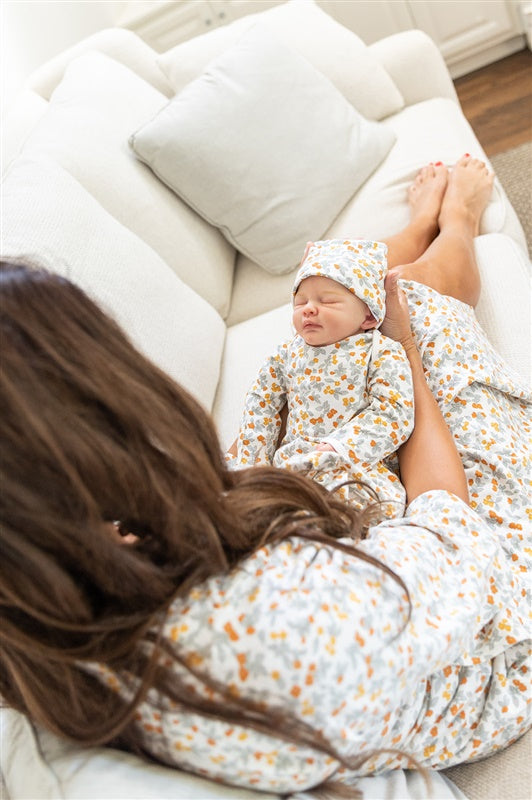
{"points": [[261, 419]]}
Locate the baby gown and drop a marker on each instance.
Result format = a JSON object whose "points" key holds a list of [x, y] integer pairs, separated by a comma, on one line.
{"points": [[355, 395]]}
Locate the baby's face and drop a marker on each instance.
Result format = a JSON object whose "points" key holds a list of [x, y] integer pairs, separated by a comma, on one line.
{"points": [[326, 312]]}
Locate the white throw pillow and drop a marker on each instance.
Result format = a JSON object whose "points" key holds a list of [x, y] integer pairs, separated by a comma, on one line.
{"points": [[334, 50], [265, 148], [50, 221]]}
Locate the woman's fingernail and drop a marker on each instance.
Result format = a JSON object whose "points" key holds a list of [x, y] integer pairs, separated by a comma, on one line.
{"points": [[467, 155], [438, 164]]}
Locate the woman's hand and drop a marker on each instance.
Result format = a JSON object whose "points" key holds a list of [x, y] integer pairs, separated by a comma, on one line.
{"points": [[396, 323], [324, 447], [233, 450]]}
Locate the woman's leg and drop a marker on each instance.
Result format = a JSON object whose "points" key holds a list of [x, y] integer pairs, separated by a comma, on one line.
{"points": [[448, 264], [425, 199]]}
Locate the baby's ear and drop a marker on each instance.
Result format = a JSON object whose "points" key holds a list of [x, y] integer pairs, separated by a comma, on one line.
{"points": [[369, 323]]}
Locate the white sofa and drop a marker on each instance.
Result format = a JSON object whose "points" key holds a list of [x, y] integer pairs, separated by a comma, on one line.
{"points": [[76, 199]]}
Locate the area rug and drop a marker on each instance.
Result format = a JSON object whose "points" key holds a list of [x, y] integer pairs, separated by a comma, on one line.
{"points": [[514, 170]]}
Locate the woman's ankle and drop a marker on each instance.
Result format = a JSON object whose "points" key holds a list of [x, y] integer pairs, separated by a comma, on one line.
{"points": [[459, 219]]}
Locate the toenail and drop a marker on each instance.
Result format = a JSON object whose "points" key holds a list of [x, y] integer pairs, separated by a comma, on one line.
{"points": [[438, 164], [468, 155]]}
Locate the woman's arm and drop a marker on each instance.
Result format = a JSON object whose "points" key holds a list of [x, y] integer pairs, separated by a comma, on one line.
{"points": [[429, 459]]}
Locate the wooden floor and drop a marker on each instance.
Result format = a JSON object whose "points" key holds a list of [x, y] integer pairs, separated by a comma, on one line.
{"points": [[497, 101]]}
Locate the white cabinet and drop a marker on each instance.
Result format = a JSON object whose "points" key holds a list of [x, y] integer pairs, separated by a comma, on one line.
{"points": [[464, 31], [165, 23], [370, 19], [469, 33]]}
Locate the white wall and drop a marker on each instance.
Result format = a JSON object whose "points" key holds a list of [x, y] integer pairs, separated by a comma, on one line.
{"points": [[33, 32]]}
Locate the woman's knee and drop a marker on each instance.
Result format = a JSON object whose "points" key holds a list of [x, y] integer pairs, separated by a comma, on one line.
{"points": [[464, 285]]}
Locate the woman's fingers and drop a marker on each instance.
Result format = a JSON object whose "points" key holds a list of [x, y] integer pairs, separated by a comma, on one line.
{"points": [[396, 324]]}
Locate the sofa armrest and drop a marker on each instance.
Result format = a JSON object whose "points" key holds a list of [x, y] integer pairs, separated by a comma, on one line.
{"points": [[118, 43], [415, 65]]}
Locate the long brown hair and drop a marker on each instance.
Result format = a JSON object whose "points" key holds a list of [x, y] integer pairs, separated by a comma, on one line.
{"points": [[93, 432]]}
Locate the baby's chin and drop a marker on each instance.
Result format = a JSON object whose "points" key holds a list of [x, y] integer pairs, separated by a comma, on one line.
{"points": [[313, 339], [317, 339]]}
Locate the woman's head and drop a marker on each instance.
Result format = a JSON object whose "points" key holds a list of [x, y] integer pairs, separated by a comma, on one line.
{"points": [[92, 432], [87, 432]]}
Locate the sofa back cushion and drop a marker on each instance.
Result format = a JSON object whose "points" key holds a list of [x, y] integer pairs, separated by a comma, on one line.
{"points": [[335, 51], [118, 43], [49, 220], [85, 129], [247, 345]]}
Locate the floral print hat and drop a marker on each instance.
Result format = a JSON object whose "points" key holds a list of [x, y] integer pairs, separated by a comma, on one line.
{"points": [[358, 264]]}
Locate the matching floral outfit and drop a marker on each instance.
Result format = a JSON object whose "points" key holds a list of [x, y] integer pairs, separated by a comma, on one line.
{"points": [[327, 637]]}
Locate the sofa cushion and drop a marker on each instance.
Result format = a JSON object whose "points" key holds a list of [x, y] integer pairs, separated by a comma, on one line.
{"points": [[330, 47], [504, 307], [24, 113], [246, 347], [245, 147], [49, 220], [35, 763], [38, 764], [85, 129]]}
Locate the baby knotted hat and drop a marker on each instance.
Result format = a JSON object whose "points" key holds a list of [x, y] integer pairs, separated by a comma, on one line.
{"points": [[358, 264]]}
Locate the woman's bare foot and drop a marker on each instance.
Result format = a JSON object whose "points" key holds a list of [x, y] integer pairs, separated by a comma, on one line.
{"points": [[426, 194], [449, 264], [424, 198], [467, 194]]}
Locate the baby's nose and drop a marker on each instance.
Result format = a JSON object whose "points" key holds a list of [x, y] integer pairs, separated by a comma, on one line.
{"points": [[310, 307]]}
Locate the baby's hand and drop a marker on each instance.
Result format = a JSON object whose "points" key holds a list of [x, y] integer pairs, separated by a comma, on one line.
{"points": [[325, 447]]}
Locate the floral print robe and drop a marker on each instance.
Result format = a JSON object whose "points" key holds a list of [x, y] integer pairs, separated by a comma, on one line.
{"points": [[327, 637]]}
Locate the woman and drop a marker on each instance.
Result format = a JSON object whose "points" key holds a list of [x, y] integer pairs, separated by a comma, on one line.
{"points": [[250, 626]]}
